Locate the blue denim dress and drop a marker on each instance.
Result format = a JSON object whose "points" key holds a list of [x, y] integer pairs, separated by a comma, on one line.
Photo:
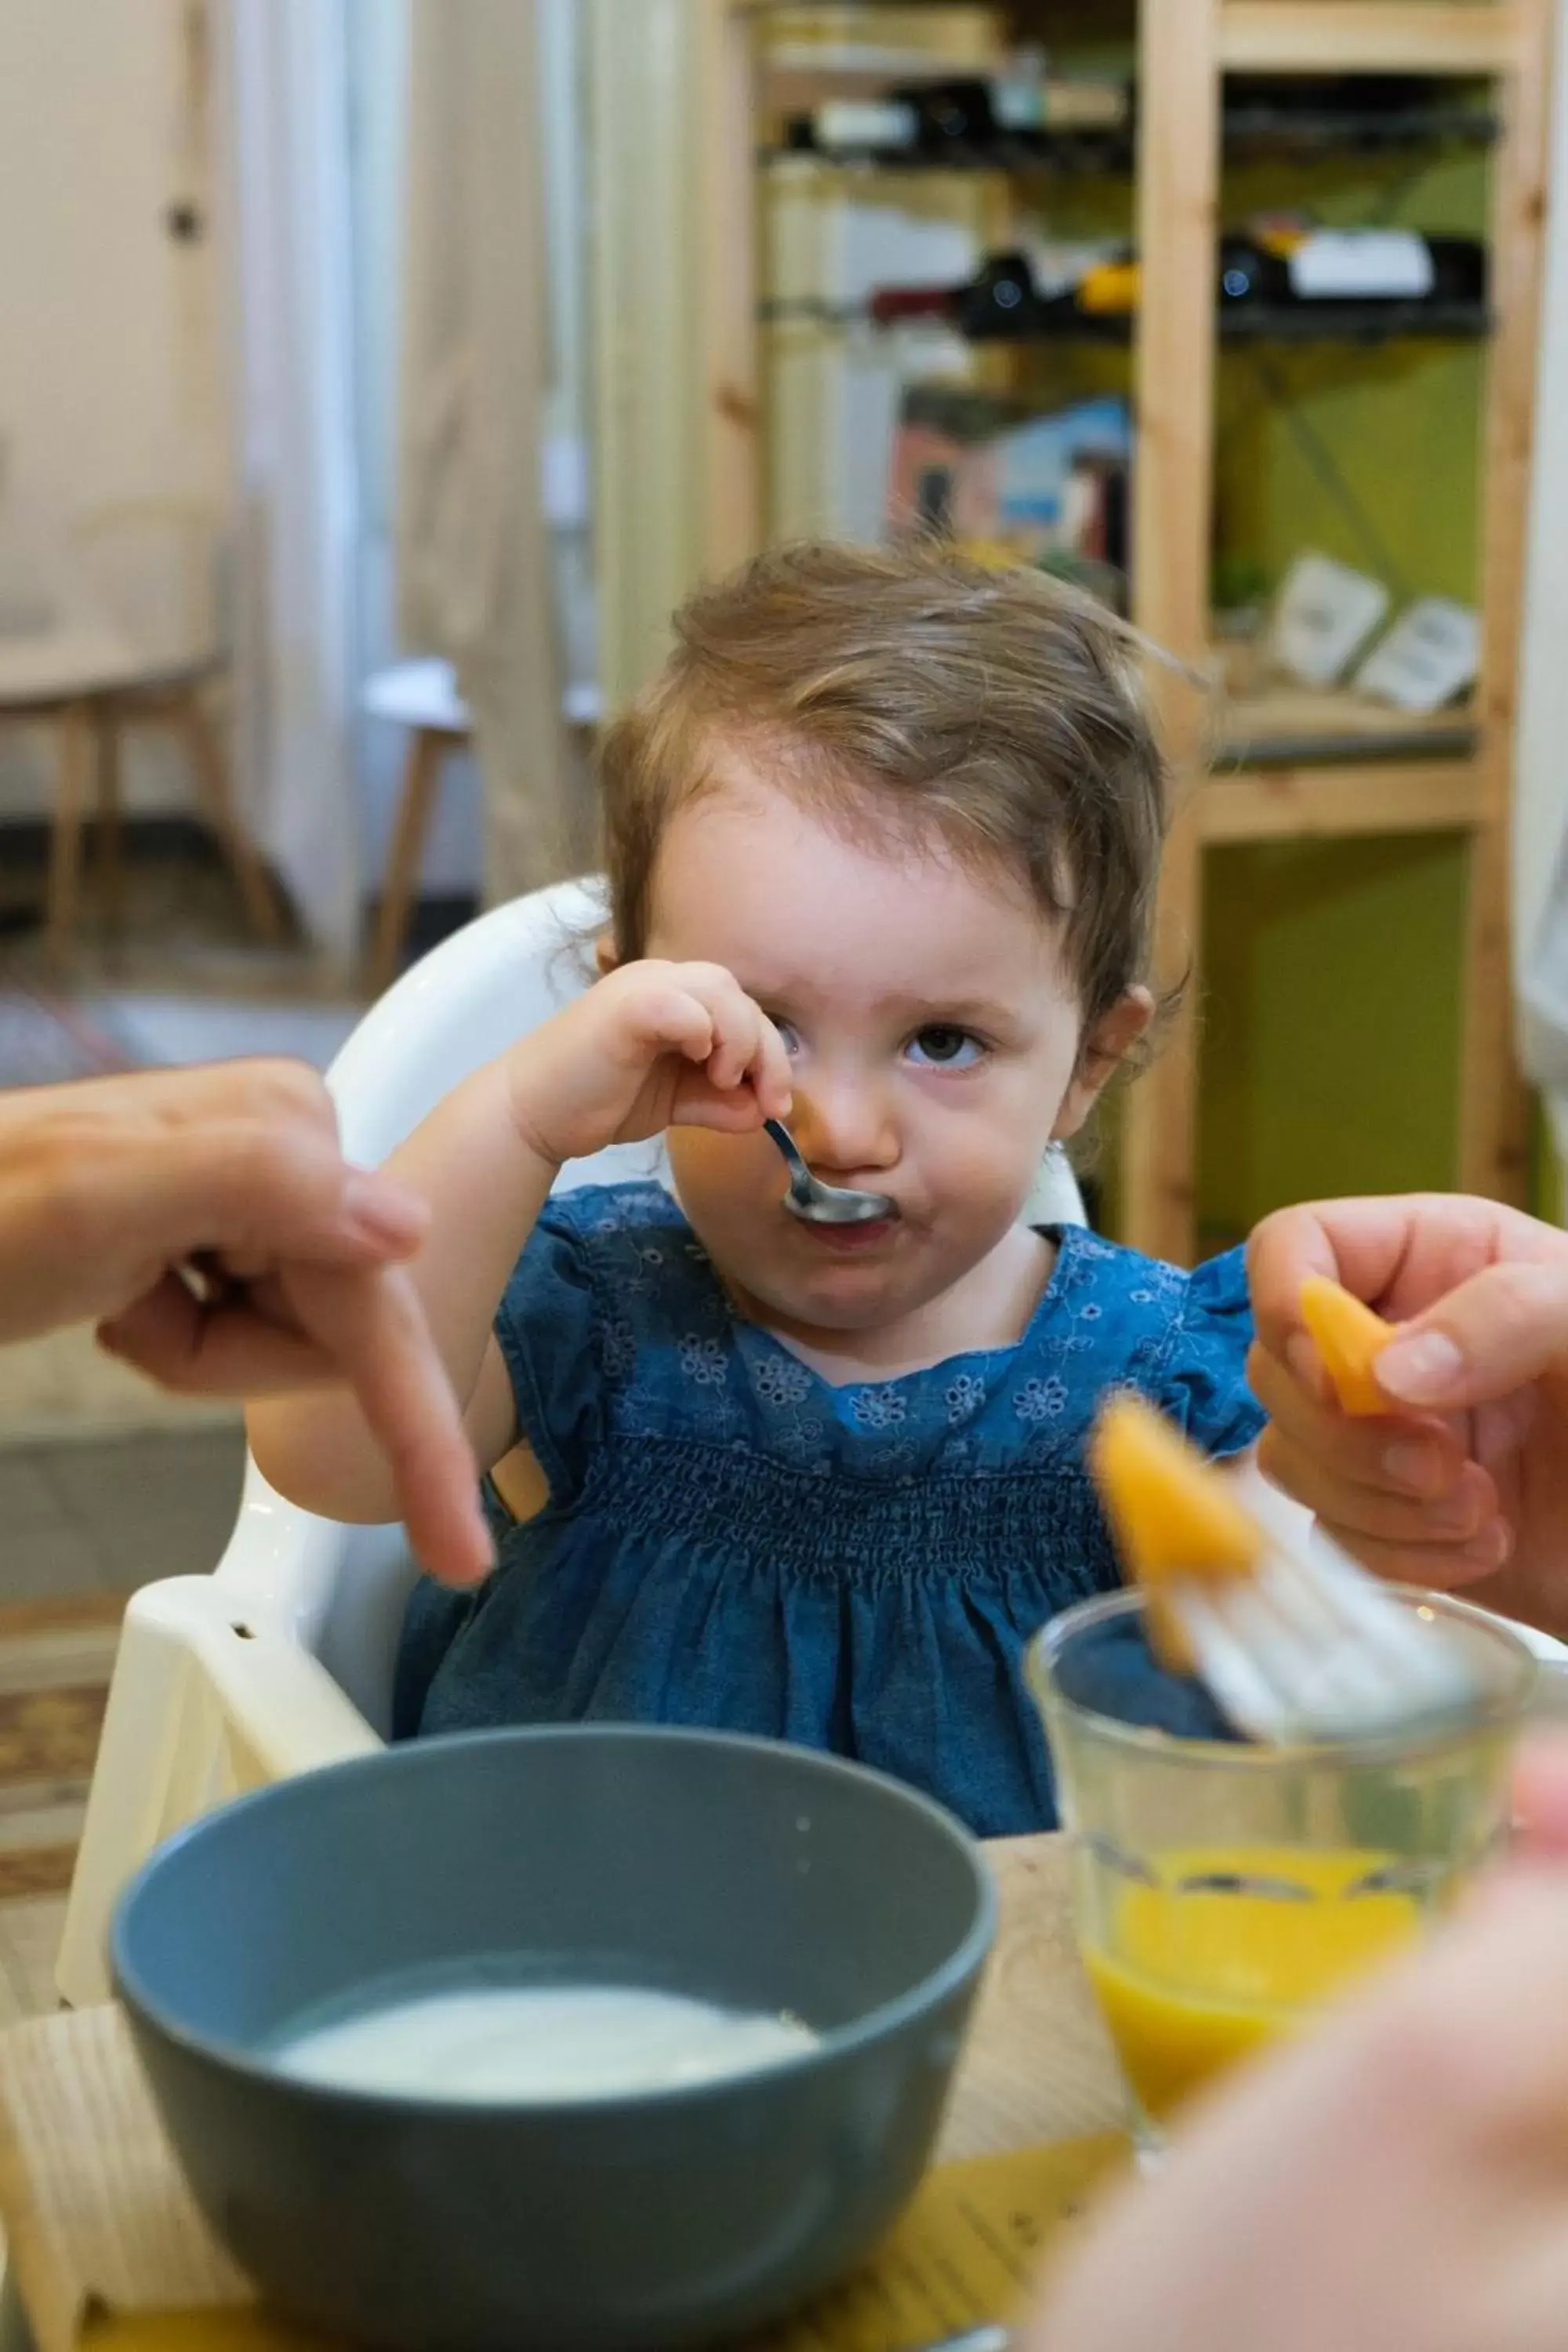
{"points": [[732, 1541]]}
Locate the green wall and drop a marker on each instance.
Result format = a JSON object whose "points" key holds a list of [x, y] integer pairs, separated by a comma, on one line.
{"points": [[1331, 1022], [1330, 993]]}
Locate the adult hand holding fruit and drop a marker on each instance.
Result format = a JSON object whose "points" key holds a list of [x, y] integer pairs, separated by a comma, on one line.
{"points": [[1461, 1483]]}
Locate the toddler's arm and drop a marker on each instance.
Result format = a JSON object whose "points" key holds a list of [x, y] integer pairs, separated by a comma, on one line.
{"points": [[653, 1046]]}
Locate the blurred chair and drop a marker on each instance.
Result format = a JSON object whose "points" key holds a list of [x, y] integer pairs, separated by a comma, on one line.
{"points": [[134, 638], [423, 697]]}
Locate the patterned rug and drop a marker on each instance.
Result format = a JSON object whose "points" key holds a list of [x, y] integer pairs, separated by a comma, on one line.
{"points": [[55, 1658]]}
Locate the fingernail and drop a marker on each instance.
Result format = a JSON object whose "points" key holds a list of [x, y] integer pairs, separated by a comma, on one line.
{"points": [[1491, 1547], [1305, 1362], [384, 1212], [1425, 1366], [1416, 1468], [1453, 1514]]}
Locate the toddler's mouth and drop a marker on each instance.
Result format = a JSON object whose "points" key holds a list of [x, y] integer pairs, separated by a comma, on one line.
{"points": [[847, 1239]]}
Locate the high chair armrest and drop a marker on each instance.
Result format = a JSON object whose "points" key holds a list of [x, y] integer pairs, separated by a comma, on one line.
{"points": [[283, 1709], [208, 1701]]}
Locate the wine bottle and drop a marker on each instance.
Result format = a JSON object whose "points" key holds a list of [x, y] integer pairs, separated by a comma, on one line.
{"points": [[1378, 266], [952, 118], [967, 118], [1259, 269], [854, 126], [962, 117], [1001, 303]]}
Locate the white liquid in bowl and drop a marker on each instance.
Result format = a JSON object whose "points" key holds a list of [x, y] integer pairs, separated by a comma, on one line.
{"points": [[512, 2042]]}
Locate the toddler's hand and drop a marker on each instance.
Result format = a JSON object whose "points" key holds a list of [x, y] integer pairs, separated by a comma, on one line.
{"points": [[652, 1046], [1464, 1483]]}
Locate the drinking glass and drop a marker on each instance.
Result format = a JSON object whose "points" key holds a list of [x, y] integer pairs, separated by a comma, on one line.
{"points": [[1223, 1888]]}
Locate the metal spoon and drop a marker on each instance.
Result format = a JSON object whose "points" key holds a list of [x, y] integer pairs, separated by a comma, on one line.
{"points": [[824, 1204]]}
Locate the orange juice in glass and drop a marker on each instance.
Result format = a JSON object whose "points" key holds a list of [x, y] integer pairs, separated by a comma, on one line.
{"points": [[1223, 1889]]}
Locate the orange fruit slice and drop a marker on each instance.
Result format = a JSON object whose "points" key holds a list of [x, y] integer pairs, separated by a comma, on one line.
{"points": [[1350, 1337], [1171, 1511]]}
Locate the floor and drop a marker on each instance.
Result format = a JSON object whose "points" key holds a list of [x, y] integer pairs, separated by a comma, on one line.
{"points": [[106, 1517]]}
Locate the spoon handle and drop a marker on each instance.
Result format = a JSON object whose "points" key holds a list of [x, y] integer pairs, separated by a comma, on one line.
{"points": [[788, 1146]]}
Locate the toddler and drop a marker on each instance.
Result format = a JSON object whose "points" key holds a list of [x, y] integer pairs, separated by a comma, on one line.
{"points": [[882, 845]]}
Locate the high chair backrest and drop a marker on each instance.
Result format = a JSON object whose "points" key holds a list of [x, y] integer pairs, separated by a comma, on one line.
{"points": [[339, 1591]]}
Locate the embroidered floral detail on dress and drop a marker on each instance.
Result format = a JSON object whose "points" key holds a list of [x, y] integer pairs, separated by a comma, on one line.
{"points": [[781, 1380], [881, 1408], [703, 1360], [1041, 1400], [618, 1350], [961, 1395]]}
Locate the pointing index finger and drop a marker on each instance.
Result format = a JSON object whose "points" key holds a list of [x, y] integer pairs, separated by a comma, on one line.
{"points": [[371, 1326]]}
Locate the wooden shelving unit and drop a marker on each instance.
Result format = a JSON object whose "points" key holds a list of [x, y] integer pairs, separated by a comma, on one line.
{"points": [[1278, 766], [1368, 786]]}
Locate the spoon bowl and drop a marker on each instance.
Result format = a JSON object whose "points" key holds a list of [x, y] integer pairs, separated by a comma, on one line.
{"points": [[817, 1203]]}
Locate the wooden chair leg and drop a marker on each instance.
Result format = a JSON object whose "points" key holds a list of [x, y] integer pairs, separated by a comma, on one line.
{"points": [[72, 771], [217, 795], [421, 774], [108, 844]]}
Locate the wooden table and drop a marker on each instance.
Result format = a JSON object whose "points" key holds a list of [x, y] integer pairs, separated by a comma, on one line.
{"points": [[96, 2214], [1038, 2065]]}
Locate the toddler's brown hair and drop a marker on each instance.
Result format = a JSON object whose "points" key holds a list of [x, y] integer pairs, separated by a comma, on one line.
{"points": [[914, 688]]}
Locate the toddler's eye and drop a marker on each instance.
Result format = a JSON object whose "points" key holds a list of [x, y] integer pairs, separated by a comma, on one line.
{"points": [[944, 1048], [790, 1035]]}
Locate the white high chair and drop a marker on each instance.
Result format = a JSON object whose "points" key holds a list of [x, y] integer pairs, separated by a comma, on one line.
{"points": [[281, 1659]]}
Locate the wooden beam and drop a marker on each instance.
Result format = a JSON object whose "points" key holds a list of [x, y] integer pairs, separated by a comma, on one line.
{"points": [[1494, 1126], [731, 381], [1306, 804], [1178, 198], [1414, 37]]}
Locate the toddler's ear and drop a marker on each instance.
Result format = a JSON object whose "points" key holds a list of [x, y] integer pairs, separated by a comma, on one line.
{"points": [[1104, 1049], [605, 956]]}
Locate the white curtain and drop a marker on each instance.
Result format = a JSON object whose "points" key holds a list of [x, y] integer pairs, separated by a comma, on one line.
{"points": [[284, 218], [473, 548]]}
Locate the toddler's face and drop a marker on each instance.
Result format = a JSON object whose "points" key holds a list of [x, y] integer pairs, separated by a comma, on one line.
{"points": [[934, 1035]]}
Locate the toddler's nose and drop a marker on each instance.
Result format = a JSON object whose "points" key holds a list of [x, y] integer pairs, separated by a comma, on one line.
{"points": [[845, 1130]]}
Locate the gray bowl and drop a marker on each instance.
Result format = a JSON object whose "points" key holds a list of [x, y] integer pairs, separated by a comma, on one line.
{"points": [[744, 1872]]}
